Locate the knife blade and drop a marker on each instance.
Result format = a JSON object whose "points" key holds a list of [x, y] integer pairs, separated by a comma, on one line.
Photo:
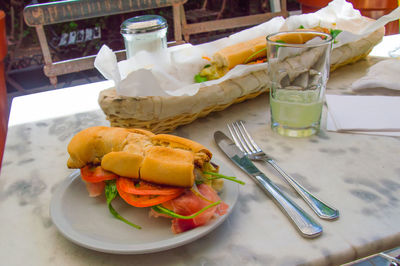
{"points": [[304, 223]]}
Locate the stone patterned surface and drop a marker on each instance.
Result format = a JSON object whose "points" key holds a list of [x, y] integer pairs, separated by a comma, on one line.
{"points": [[358, 174]]}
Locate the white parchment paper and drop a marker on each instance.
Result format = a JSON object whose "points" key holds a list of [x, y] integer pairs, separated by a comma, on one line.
{"points": [[172, 71]]}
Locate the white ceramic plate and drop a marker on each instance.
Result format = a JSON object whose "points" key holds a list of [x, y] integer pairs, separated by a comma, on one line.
{"points": [[87, 222]]}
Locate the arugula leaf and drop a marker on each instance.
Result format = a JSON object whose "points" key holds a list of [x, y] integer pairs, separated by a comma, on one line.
{"points": [[199, 182], [217, 176], [162, 210], [199, 79], [254, 54], [335, 33], [279, 46], [111, 193]]}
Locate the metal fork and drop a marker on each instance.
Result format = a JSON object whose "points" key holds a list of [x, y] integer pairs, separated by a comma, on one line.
{"points": [[246, 144]]}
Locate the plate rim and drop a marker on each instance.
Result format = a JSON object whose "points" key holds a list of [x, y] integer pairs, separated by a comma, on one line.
{"points": [[180, 239]]}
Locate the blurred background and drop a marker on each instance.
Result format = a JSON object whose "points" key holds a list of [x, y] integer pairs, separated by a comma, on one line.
{"points": [[24, 61]]}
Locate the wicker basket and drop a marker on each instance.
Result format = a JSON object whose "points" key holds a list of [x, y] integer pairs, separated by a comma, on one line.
{"points": [[163, 114]]}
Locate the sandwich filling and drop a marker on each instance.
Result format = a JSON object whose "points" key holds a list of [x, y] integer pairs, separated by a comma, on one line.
{"points": [[248, 52], [147, 170]]}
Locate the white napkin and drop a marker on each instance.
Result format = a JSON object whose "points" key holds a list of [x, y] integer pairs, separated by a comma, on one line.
{"points": [[171, 72], [340, 14], [384, 74], [377, 115]]}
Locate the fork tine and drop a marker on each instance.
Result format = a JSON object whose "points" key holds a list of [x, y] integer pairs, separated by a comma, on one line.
{"points": [[252, 143], [239, 139], [243, 137], [242, 141], [235, 137]]}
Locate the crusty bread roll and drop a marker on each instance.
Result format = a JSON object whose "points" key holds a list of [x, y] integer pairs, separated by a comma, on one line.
{"points": [[168, 166], [201, 153], [91, 144], [123, 163], [250, 50], [137, 153], [237, 54], [294, 38]]}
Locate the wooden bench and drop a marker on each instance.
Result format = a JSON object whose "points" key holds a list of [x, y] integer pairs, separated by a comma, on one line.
{"points": [[39, 15]]}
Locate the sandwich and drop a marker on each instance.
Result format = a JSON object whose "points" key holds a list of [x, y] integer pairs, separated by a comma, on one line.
{"points": [[163, 172], [252, 51]]}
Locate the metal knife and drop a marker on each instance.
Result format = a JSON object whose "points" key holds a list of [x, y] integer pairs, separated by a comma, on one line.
{"points": [[306, 225]]}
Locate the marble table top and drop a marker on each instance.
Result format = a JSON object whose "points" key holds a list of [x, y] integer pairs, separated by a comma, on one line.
{"points": [[358, 174]]}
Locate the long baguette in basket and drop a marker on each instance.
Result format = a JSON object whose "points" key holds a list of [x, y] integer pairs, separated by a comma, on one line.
{"points": [[165, 113]]}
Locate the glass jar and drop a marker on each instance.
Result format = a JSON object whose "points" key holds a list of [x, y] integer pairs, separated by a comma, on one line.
{"points": [[148, 32]]}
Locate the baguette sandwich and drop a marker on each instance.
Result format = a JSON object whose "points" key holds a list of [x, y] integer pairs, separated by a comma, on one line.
{"points": [[161, 171], [248, 52]]}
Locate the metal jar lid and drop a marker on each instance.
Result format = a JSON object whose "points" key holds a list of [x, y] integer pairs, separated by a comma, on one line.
{"points": [[143, 24]]}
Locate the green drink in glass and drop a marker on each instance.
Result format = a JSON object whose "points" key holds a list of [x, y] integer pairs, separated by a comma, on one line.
{"points": [[298, 73], [294, 117]]}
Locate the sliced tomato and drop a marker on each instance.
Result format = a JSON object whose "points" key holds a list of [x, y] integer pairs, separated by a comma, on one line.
{"points": [[137, 187], [146, 200], [96, 174]]}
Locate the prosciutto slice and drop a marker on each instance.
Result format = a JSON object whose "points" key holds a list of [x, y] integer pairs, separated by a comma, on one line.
{"points": [[95, 189], [189, 203]]}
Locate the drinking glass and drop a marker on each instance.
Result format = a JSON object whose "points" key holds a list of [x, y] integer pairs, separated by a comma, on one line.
{"points": [[298, 69]]}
